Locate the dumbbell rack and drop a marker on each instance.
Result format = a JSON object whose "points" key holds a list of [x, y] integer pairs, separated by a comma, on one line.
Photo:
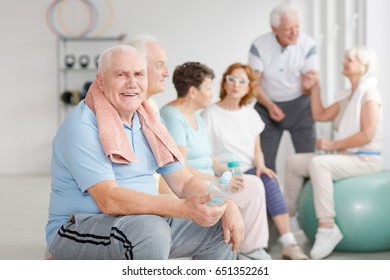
{"points": [[73, 78]]}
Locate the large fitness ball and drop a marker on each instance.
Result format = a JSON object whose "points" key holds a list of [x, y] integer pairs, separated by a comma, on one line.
{"points": [[362, 212]]}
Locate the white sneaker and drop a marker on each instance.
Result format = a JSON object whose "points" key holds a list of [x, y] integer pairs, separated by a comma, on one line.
{"points": [[325, 243], [258, 254]]}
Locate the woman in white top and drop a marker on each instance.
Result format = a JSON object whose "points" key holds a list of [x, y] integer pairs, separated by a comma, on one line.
{"points": [[234, 128], [355, 150]]}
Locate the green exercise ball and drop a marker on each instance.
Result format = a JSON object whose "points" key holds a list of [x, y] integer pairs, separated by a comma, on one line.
{"points": [[362, 212]]}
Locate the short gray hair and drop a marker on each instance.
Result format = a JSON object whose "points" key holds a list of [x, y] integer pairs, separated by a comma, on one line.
{"points": [[367, 57], [104, 61], [283, 10], [141, 41]]}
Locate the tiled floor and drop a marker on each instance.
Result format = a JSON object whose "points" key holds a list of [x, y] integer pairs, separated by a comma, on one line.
{"points": [[24, 202]]}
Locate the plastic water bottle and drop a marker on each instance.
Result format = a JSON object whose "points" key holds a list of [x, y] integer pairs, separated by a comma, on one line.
{"points": [[219, 189], [234, 166]]}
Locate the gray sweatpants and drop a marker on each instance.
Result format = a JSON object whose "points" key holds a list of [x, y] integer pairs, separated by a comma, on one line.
{"points": [[298, 122], [138, 237]]}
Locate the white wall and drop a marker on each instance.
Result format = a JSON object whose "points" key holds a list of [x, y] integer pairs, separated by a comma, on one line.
{"points": [[28, 92], [377, 38], [215, 32]]}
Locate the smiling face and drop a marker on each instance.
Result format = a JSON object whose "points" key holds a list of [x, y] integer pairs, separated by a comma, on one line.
{"points": [[236, 84], [124, 82], [288, 30]]}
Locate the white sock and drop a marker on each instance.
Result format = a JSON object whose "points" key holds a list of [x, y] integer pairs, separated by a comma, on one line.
{"points": [[325, 231], [294, 224], [287, 239]]}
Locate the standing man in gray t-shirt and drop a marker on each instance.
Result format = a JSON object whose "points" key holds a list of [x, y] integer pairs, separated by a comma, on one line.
{"points": [[282, 60]]}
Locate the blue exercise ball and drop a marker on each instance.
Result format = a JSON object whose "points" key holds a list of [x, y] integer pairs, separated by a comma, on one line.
{"points": [[362, 212]]}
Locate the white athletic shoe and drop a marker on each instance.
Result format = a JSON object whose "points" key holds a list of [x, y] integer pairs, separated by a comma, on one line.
{"points": [[325, 243]]}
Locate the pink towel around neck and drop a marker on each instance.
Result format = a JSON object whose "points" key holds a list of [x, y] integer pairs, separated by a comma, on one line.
{"points": [[113, 137]]}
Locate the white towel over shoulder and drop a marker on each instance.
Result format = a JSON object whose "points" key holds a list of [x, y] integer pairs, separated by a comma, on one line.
{"points": [[350, 121]]}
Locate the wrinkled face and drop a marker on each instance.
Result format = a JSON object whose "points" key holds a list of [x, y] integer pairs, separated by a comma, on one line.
{"points": [[204, 93], [157, 69], [352, 67], [236, 84], [288, 30], [124, 82]]}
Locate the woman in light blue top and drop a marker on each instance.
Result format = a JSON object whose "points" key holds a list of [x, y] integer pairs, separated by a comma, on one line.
{"points": [[193, 83]]}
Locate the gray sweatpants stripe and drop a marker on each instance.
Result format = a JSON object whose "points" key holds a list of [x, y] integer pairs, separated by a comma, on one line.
{"points": [[98, 240]]}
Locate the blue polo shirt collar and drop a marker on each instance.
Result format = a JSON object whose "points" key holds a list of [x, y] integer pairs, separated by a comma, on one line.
{"points": [[136, 124]]}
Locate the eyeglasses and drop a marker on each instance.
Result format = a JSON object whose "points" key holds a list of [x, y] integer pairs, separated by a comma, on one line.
{"points": [[230, 79]]}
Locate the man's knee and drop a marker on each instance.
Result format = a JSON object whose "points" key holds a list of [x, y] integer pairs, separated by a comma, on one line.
{"points": [[158, 244], [150, 237]]}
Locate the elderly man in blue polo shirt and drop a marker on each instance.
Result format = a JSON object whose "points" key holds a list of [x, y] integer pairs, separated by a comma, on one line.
{"points": [[106, 206], [282, 59]]}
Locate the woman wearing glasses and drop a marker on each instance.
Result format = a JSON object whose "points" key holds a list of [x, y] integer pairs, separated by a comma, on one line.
{"points": [[235, 127], [193, 82]]}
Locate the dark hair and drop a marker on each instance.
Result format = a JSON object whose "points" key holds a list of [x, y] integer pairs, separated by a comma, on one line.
{"points": [[252, 83], [190, 74]]}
